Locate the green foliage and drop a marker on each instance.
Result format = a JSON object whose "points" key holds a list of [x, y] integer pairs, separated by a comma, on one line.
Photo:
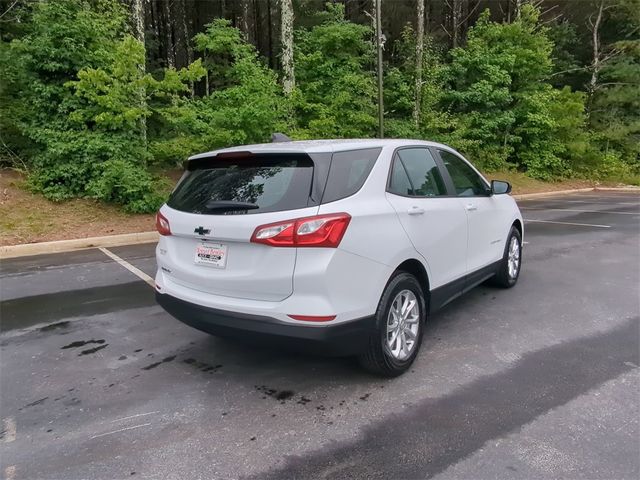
{"points": [[87, 134], [246, 105], [336, 95], [501, 96], [615, 109], [82, 116]]}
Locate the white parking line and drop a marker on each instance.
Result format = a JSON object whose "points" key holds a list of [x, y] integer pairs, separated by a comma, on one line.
{"points": [[136, 271], [10, 472], [134, 416], [603, 203], [581, 211], [567, 223], [9, 429], [121, 430]]}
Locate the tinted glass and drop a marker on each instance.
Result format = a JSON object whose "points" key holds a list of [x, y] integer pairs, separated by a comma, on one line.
{"points": [[348, 172], [399, 183], [267, 183], [423, 175], [465, 180]]}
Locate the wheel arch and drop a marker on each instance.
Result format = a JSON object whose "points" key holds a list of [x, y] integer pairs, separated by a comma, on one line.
{"points": [[418, 270], [518, 224]]}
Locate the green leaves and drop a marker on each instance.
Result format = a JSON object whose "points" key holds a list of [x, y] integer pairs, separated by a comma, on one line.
{"points": [[336, 90]]}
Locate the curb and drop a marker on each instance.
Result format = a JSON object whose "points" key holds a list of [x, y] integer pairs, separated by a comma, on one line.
{"points": [[618, 189], [59, 246], [525, 196]]}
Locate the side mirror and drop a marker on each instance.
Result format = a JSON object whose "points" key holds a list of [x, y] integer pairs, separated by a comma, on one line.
{"points": [[499, 187]]}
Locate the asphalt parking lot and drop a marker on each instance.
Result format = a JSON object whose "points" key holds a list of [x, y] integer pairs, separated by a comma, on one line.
{"points": [[540, 381]]}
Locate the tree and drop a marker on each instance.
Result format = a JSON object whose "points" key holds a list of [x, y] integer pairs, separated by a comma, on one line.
{"points": [[419, 54], [500, 97], [289, 79], [336, 89], [614, 107]]}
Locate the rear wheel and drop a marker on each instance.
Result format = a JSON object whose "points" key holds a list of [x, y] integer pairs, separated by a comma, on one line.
{"points": [[509, 269], [399, 320]]}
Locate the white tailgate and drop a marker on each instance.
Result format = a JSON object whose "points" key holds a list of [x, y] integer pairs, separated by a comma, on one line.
{"points": [[247, 270]]}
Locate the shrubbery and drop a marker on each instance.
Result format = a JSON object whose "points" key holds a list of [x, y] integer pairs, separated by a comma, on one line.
{"points": [[80, 108]]}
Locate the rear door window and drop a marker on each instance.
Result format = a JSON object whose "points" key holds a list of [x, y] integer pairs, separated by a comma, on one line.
{"points": [[245, 185], [415, 173], [348, 172]]}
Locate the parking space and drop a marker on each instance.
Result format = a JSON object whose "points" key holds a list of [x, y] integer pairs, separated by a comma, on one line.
{"points": [[539, 381]]}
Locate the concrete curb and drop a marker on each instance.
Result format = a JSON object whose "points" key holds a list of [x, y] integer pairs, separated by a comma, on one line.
{"points": [[525, 196], [618, 189], [59, 246], [27, 249]]}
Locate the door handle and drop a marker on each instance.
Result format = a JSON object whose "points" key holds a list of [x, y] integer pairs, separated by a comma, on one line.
{"points": [[415, 210], [471, 207]]}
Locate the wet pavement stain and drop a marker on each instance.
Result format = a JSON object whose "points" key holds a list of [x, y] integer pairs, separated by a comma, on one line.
{"points": [[92, 350], [37, 402], [55, 326], [82, 343], [282, 396], [164, 360], [203, 367]]}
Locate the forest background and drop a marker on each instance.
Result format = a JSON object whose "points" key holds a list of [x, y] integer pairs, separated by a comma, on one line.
{"points": [[99, 98]]}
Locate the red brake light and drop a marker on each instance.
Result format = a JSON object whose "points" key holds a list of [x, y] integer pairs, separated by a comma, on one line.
{"points": [[162, 224], [317, 231]]}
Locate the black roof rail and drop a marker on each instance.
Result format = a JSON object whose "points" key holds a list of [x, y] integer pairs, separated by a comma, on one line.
{"points": [[279, 137]]}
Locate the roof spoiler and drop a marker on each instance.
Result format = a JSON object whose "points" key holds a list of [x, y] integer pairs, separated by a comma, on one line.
{"points": [[279, 138]]}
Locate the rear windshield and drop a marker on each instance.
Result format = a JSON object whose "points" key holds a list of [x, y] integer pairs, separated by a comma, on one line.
{"points": [[245, 185]]}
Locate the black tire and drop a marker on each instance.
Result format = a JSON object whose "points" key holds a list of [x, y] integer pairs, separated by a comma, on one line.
{"points": [[502, 278], [377, 357]]}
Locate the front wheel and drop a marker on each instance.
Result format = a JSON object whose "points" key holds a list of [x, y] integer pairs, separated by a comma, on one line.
{"points": [[399, 320], [509, 269]]}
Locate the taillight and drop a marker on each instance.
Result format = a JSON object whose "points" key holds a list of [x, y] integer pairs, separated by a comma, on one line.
{"points": [[162, 224], [317, 231]]}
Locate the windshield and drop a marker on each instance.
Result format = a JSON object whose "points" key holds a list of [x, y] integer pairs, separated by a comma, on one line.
{"points": [[245, 185]]}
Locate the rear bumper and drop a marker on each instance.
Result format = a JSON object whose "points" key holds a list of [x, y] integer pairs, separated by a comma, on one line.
{"points": [[346, 338]]}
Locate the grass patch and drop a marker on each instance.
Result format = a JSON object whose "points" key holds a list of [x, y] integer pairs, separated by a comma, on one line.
{"points": [[26, 217]]}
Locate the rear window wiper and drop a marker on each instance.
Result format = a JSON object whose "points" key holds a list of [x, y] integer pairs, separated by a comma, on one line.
{"points": [[229, 205]]}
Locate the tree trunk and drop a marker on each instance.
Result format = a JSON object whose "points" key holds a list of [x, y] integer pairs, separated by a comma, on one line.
{"points": [[168, 34], [245, 21], [270, 35], [518, 9], [184, 53], [596, 63], [419, 55], [137, 13], [456, 14], [378, 18], [286, 32]]}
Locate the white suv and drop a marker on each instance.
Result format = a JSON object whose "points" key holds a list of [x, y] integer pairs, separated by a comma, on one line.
{"points": [[337, 246]]}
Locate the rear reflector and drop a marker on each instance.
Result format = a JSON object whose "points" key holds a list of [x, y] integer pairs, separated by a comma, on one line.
{"points": [[313, 318], [162, 224], [317, 231]]}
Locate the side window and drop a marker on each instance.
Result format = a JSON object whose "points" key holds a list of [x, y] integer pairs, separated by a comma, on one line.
{"points": [[348, 172], [465, 180], [399, 183], [415, 173]]}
